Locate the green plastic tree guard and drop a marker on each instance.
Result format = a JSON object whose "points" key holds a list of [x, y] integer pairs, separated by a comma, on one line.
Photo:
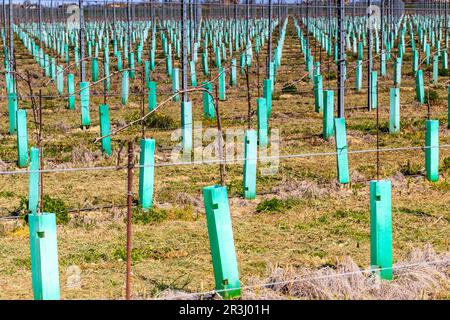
{"points": [[8, 80], [420, 89], [381, 228], [336, 52], [398, 71], [415, 60], [328, 114], [222, 84], [394, 110], [233, 73], [242, 63], [146, 172], [44, 256], [119, 61], [221, 241], [175, 83], [310, 68], [147, 72], [267, 92], [218, 58], [105, 128], [152, 60], [131, 64], [205, 64], [358, 75], [12, 109], [169, 66], [60, 80], [250, 152], [272, 73], [94, 69], [84, 99], [107, 80], [432, 150], [186, 128], [435, 68], [262, 122], [341, 150], [208, 102], [22, 138], [47, 66], [316, 69], [33, 182], [125, 87], [76, 58], [374, 89], [193, 74], [139, 56], [360, 50], [152, 95], [70, 91], [383, 64], [318, 93]]}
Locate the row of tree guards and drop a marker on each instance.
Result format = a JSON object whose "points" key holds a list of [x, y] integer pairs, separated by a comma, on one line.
{"points": [[143, 38]]}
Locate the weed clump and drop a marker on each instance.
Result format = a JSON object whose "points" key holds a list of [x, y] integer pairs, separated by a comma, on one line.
{"points": [[431, 96], [443, 72], [409, 169], [160, 121], [275, 205], [51, 205], [289, 88], [155, 120], [58, 207], [146, 216], [331, 75], [157, 215], [446, 164]]}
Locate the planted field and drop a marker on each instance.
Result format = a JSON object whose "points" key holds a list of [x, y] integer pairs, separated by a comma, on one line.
{"points": [[315, 188]]}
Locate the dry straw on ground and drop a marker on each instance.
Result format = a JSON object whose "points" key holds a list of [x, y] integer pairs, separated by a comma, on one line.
{"points": [[416, 277]]}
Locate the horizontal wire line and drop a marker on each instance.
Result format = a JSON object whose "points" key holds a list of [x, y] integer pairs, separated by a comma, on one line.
{"points": [[218, 161], [344, 274]]}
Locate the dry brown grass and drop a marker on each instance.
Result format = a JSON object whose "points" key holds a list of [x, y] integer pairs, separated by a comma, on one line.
{"points": [[416, 277], [424, 274], [326, 222]]}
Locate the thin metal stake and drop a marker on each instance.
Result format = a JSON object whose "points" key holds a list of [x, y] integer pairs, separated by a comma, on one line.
{"points": [[129, 205]]}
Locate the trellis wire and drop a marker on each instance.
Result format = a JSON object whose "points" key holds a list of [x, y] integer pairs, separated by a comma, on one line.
{"points": [[344, 274], [206, 162]]}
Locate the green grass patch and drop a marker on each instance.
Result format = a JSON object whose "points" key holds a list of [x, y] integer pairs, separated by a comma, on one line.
{"points": [[51, 205], [431, 96], [146, 216], [441, 186], [410, 169], [289, 88], [445, 164], [276, 205], [157, 215], [368, 127], [6, 194]]}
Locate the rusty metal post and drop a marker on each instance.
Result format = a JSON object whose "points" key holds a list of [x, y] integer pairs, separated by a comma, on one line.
{"points": [[129, 204], [369, 60], [82, 62], [269, 42], [341, 79]]}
